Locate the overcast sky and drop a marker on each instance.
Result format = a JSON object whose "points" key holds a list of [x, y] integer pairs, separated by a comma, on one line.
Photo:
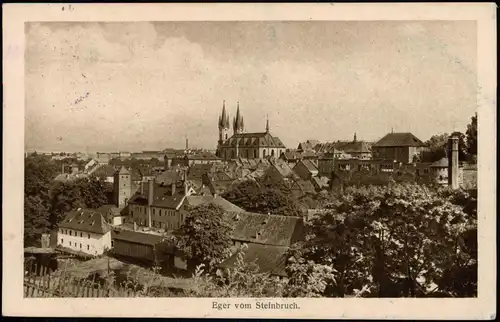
{"points": [[145, 86]]}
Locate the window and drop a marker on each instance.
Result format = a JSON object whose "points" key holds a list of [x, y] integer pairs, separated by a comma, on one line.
{"points": [[70, 243], [70, 234], [154, 211], [88, 247], [80, 245], [89, 236], [81, 234], [112, 243], [62, 241]]}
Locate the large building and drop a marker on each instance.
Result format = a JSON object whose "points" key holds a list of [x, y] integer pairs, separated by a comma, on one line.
{"points": [[402, 147], [258, 145]]}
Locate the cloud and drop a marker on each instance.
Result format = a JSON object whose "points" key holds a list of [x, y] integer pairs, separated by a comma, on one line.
{"points": [[147, 90]]}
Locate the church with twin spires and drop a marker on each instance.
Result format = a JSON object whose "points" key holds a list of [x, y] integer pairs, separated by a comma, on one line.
{"points": [[257, 145]]}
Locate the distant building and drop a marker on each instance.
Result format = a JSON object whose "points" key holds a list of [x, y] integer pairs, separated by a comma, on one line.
{"points": [[163, 206], [259, 145], [306, 169], [86, 231], [402, 147], [267, 239]]}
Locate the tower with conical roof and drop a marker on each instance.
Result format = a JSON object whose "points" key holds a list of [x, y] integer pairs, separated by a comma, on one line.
{"points": [[122, 187], [238, 123], [223, 124]]}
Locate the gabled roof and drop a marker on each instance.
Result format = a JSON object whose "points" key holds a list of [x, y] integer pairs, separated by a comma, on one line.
{"points": [[308, 164], [86, 220], [283, 168], [264, 229], [216, 200], [399, 139], [162, 196], [123, 171], [168, 177]]}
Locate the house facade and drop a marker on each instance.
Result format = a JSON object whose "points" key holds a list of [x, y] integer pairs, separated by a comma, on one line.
{"points": [[402, 147], [85, 231]]}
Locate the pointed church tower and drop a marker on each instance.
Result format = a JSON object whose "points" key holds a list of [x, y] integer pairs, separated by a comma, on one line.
{"points": [[267, 124], [122, 187], [223, 123], [238, 121]]}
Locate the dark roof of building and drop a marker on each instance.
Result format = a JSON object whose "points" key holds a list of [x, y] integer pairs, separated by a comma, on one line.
{"points": [[104, 171], [270, 259], [283, 168], [297, 155], [399, 139], [169, 176], [263, 139], [308, 164], [216, 200], [198, 156], [136, 237], [162, 196], [263, 229], [301, 185], [86, 220], [198, 170]]}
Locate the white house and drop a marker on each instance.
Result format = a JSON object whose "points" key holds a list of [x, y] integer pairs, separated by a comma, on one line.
{"points": [[85, 231]]}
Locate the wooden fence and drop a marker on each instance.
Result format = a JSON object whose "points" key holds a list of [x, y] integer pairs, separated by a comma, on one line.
{"points": [[38, 282]]}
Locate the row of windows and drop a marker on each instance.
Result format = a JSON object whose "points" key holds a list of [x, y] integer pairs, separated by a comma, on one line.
{"points": [[73, 233], [164, 212], [158, 224], [76, 244]]}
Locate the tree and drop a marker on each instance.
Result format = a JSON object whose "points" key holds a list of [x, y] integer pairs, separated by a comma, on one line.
{"points": [[471, 134], [94, 193], [264, 197], [403, 240], [36, 220], [205, 237], [38, 175]]}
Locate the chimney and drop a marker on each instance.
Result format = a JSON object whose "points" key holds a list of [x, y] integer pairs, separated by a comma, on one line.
{"points": [[142, 187], [150, 192], [187, 144], [166, 165], [185, 183], [453, 162], [173, 189]]}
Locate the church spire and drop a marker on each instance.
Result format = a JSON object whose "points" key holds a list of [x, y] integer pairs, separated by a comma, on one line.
{"points": [[238, 121], [224, 118], [267, 124]]}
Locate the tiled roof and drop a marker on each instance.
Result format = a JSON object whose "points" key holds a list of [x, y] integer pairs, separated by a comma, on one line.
{"points": [[399, 139], [265, 229], [197, 170], [309, 165], [301, 185], [136, 237], [87, 220], [264, 139], [162, 196], [216, 200], [270, 259], [169, 177], [104, 171], [283, 168]]}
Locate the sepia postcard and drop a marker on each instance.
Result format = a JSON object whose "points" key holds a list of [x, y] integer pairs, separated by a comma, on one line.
{"points": [[250, 160]]}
